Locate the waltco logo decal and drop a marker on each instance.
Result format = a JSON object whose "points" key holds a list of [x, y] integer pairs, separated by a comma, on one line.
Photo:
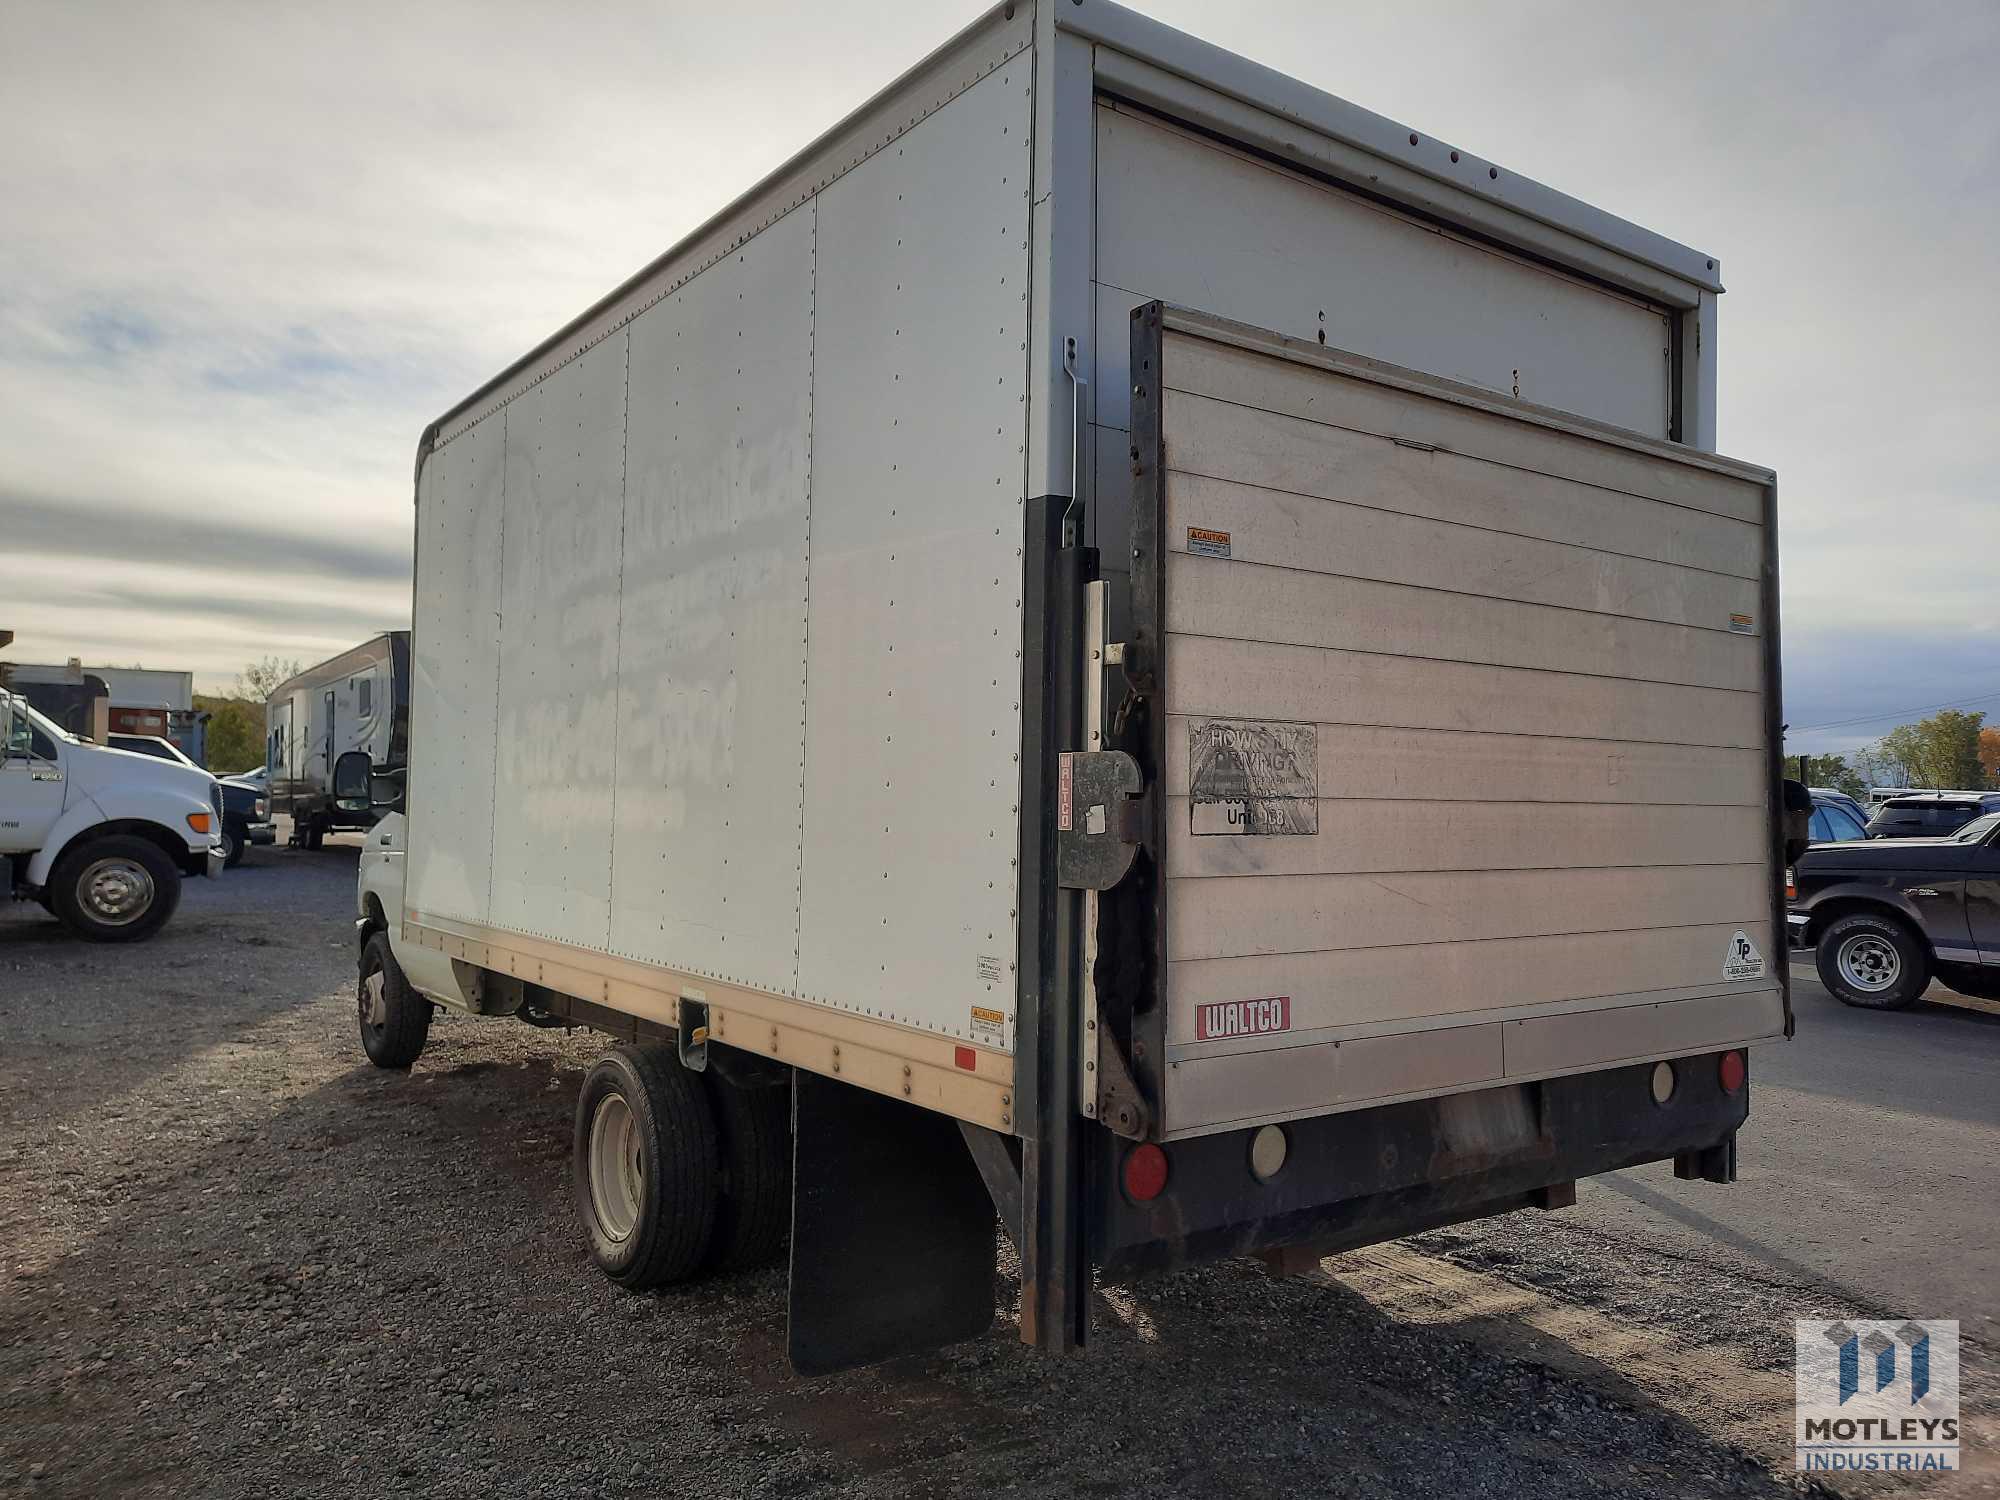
{"points": [[1234, 1018]]}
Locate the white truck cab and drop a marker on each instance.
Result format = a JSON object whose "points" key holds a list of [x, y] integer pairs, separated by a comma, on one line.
{"points": [[100, 837], [399, 980]]}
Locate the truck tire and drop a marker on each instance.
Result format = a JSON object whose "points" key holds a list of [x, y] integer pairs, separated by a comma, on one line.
{"points": [[754, 1123], [232, 847], [395, 1019], [115, 889], [1872, 961], [315, 833], [643, 1166]]}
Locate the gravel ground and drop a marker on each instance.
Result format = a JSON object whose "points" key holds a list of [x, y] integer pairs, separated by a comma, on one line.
{"points": [[235, 1260]]}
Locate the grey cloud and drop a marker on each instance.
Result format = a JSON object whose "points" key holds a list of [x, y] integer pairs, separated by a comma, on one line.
{"points": [[37, 527]]}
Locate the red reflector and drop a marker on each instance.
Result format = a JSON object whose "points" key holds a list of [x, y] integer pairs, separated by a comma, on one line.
{"points": [[1145, 1173], [1730, 1072], [965, 1057]]}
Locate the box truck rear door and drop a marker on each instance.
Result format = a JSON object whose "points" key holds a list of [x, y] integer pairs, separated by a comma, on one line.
{"points": [[1467, 762]]}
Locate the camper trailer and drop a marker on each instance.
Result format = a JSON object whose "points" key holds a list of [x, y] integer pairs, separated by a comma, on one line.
{"points": [[358, 700]]}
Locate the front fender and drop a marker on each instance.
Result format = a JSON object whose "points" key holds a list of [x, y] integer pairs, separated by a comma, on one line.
{"points": [[164, 809], [1850, 893]]}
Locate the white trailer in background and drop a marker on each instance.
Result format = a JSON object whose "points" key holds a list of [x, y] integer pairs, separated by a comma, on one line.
{"points": [[1166, 655], [356, 701]]}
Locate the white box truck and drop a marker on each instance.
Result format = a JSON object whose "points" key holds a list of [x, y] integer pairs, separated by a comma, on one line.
{"points": [[1153, 651]]}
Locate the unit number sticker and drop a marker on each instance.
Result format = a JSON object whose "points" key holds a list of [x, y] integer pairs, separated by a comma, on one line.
{"points": [[1250, 777], [1742, 961]]}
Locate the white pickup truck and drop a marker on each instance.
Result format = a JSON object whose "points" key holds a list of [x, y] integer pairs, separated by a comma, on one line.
{"points": [[100, 837]]}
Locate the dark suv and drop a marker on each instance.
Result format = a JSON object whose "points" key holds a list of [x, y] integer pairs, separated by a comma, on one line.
{"points": [[1929, 815], [1886, 916]]}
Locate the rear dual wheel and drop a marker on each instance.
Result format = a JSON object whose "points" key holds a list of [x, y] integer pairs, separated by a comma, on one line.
{"points": [[673, 1172]]}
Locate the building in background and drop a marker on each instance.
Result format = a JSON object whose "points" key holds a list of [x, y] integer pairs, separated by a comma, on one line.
{"points": [[92, 701]]}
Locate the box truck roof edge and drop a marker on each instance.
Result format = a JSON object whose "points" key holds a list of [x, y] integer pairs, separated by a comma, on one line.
{"points": [[1151, 63]]}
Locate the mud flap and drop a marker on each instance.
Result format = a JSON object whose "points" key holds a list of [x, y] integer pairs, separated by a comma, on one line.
{"points": [[893, 1232]]}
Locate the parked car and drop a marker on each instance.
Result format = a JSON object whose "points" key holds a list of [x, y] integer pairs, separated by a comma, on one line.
{"points": [[246, 816], [1840, 799], [1929, 815], [1886, 916], [1836, 818], [246, 808]]}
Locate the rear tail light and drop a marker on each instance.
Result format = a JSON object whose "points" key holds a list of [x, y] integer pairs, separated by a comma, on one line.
{"points": [[1145, 1173], [1791, 884], [1730, 1071]]}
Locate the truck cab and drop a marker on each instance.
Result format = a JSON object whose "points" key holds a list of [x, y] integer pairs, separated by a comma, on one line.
{"points": [[100, 837]]}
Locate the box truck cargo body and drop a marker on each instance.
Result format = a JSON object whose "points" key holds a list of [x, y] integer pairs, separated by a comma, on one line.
{"points": [[1170, 656]]}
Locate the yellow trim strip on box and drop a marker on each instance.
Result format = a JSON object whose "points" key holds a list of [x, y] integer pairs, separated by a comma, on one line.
{"points": [[878, 1055]]}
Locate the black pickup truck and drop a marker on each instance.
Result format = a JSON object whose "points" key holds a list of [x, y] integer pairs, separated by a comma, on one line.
{"points": [[1887, 916]]}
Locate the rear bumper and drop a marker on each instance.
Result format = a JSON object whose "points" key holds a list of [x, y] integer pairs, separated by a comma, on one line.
{"points": [[1357, 1178]]}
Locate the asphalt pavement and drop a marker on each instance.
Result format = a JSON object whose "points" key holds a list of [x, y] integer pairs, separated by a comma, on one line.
{"points": [[1870, 1164]]}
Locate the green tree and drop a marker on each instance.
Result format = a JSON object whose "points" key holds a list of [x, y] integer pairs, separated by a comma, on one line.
{"points": [[1833, 771], [235, 733], [257, 681], [1941, 751]]}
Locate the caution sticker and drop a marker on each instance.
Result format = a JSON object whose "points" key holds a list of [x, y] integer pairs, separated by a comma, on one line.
{"points": [[989, 1027], [1743, 624], [1742, 960], [1207, 543]]}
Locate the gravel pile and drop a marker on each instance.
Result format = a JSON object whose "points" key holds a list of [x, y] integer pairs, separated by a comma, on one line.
{"points": [[235, 1260]]}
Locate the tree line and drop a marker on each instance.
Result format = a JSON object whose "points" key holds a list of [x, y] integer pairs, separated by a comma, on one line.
{"points": [[1950, 751], [236, 718]]}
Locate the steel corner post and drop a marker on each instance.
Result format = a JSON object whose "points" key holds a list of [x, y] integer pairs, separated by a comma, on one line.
{"points": [[1055, 1280]]}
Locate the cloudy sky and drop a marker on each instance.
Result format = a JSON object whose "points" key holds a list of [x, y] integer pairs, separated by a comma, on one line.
{"points": [[248, 251]]}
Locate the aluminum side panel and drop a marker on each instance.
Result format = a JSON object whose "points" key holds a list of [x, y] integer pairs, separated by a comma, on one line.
{"points": [[1190, 222], [913, 702], [555, 750], [455, 652], [711, 720]]}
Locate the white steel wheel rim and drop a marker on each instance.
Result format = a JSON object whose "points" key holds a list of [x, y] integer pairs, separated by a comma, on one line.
{"points": [[616, 1179], [375, 1000], [1869, 962], [116, 890]]}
